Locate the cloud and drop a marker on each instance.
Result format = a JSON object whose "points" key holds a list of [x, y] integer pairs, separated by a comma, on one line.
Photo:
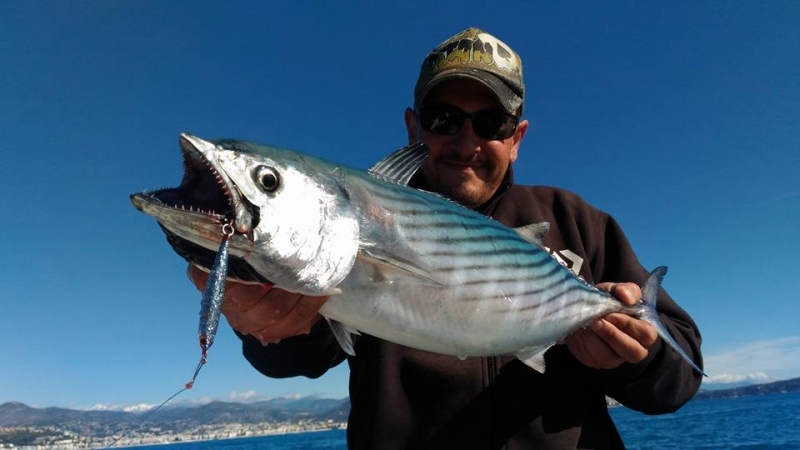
{"points": [[250, 396], [760, 361], [243, 397], [253, 396], [728, 378], [139, 407]]}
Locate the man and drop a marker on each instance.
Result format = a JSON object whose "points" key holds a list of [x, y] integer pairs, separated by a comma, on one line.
{"points": [[467, 107]]}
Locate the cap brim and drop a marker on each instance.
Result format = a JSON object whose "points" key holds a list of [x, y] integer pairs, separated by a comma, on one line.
{"points": [[508, 98]]}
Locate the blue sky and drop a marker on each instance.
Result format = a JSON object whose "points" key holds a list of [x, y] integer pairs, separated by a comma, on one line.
{"points": [[681, 119]]}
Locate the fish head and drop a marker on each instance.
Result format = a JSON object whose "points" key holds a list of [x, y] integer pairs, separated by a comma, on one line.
{"points": [[293, 225]]}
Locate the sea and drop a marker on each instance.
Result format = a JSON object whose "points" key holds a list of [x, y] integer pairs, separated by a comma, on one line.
{"points": [[764, 422]]}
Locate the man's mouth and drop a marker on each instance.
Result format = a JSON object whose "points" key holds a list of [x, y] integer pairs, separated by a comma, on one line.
{"points": [[459, 165]]}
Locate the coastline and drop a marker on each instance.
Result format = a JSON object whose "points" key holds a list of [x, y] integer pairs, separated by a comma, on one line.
{"points": [[222, 432]]}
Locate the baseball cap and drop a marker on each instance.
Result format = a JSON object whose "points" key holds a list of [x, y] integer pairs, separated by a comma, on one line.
{"points": [[477, 55]]}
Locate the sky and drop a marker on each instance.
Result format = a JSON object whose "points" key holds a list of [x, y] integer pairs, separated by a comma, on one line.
{"points": [[681, 119]]}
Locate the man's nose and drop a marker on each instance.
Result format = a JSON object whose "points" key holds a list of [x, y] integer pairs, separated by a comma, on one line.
{"points": [[466, 141]]}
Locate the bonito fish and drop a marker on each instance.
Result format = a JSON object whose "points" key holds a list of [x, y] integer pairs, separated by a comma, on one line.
{"points": [[401, 264]]}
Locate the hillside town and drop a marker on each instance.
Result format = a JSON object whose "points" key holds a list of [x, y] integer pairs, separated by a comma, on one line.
{"points": [[58, 438], [33, 428]]}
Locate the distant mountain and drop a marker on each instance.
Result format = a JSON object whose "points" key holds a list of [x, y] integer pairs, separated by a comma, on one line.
{"points": [[338, 413], [276, 410], [777, 387], [15, 414], [18, 414], [311, 404]]}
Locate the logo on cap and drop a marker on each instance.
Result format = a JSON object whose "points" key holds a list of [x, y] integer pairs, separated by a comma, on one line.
{"points": [[474, 54], [476, 50]]}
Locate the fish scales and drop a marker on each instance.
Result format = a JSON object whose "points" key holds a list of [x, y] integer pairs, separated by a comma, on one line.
{"points": [[482, 264], [479, 241]]}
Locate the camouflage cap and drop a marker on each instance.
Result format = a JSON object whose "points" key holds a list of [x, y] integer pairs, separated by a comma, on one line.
{"points": [[476, 55]]}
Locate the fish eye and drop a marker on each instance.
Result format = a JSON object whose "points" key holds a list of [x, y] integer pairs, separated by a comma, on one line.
{"points": [[267, 178]]}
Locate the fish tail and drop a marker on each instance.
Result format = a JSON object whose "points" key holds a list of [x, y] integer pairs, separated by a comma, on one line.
{"points": [[650, 315]]}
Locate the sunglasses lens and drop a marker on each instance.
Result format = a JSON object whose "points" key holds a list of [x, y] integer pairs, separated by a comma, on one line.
{"points": [[488, 123], [441, 120], [494, 124]]}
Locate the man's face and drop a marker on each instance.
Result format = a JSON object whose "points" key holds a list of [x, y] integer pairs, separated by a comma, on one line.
{"points": [[464, 166]]}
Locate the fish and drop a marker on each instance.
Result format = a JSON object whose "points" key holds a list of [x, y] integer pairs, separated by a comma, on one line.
{"points": [[399, 263]]}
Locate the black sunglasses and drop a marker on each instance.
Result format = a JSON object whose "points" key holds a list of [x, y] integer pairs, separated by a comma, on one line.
{"points": [[492, 124]]}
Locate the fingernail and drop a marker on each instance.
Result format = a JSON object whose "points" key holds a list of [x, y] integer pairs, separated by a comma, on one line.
{"points": [[597, 325]]}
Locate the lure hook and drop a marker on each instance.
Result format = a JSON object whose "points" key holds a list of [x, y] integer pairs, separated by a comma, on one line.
{"points": [[228, 229]]}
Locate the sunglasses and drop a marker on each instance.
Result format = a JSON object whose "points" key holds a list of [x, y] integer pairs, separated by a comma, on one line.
{"points": [[447, 120]]}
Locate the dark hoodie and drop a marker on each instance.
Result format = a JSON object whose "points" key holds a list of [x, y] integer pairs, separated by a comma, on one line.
{"points": [[402, 398]]}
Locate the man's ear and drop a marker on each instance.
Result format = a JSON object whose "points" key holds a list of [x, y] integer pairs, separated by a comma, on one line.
{"points": [[522, 128], [411, 126]]}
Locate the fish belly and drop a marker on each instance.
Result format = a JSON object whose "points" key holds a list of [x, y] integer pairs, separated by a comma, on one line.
{"points": [[467, 319]]}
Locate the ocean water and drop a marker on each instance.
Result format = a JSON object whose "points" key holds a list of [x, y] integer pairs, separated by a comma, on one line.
{"points": [[317, 440], [769, 422]]}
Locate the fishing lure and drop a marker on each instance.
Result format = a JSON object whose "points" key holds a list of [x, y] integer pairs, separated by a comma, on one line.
{"points": [[212, 300]]}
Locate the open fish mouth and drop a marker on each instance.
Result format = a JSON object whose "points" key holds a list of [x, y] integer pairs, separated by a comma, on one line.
{"points": [[202, 190], [203, 200], [192, 215]]}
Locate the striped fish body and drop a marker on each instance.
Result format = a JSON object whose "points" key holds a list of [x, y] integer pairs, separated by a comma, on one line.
{"points": [[492, 291], [399, 263]]}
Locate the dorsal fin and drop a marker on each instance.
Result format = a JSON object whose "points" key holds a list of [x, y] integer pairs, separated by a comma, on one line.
{"points": [[534, 232], [401, 165]]}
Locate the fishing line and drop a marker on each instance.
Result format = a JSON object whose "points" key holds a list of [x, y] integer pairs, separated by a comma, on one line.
{"points": [[144, 417], [209, 319]]}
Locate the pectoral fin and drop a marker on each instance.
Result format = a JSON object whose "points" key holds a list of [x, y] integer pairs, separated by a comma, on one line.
{"points": [[533, 357], [389, 268], [343, 335]]}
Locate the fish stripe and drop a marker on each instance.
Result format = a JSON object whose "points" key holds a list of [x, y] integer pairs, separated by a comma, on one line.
{"points": [[500, 254]]}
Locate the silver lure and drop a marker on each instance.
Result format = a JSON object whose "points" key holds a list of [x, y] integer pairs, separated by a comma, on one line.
{"points": [[212, 300]]}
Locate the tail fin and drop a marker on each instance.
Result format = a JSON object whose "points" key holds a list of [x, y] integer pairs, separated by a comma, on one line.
{"points": [[649, 314]]}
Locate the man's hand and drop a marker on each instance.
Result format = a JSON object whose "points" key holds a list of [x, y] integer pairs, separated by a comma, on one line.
{"points": [[616, 338], [267, 313]]}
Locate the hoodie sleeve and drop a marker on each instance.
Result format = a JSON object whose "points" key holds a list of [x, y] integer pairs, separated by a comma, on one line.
{"points": [[309, 355], [663, 382]]}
